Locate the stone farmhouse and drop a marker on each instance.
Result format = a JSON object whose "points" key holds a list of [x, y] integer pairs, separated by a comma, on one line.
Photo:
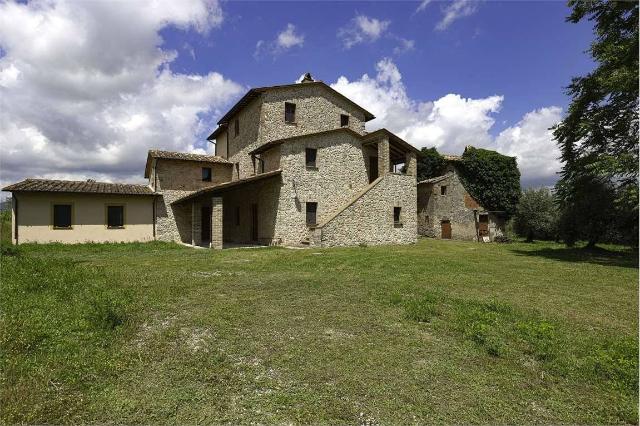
{"points": [[447, 211], [293, 166]]}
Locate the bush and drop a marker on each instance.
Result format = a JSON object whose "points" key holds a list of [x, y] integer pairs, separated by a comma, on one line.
{"points": [[8, 250]]}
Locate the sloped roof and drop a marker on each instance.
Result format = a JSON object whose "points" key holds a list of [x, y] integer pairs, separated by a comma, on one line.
{"points": [[436, 179], [258, 91], [84, 186], [186, 156], [226, 185]]}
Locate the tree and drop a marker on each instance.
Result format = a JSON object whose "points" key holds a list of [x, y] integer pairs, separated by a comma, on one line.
{"points": [[598, 138], [536, 215], [491, 178], [430, 164]]}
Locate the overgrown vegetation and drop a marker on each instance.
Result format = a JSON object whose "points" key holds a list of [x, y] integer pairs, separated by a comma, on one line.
{"points": [[491, 178], [159, 333], [430, 164], [598, 139]]}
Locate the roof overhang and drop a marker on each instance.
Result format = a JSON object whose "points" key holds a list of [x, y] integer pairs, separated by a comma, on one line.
{"points": [[258, 91], [222, 187]]}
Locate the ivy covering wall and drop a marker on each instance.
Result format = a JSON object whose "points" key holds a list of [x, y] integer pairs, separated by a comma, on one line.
{"points": [[491, 178]]}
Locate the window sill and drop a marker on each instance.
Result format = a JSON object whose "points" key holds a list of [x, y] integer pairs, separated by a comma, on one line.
{"points": [[59, 228], [397, 224], [312, 226], [115, 227], [313, 168], [290, 123]]}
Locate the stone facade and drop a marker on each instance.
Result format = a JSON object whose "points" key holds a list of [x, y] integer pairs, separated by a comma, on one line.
{"points": [[175, 179], [444, 199], [369, 219], [350, 209]]}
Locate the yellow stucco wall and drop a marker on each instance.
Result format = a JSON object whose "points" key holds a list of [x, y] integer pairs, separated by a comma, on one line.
{"points": [[35, 218]]}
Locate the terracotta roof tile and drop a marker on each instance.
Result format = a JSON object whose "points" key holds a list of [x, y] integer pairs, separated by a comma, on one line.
{"points": [[85, 186]]}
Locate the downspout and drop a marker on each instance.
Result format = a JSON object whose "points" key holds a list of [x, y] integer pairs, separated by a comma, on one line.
{"points": [[15, 208], [475, 221]]}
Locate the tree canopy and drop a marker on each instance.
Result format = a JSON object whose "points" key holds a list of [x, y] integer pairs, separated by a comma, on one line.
{"points": [[598, 138], [536, 215], [491, 178], [430, 164]]}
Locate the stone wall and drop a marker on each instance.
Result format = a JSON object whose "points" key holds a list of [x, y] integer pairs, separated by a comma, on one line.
{"points": [[369, 219], [175, 179], [456, 206], [317, 110], [340, 173]]}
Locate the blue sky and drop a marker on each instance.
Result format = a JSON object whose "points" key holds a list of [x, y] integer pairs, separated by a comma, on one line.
{"points": [[94, 85], [523, 50]]}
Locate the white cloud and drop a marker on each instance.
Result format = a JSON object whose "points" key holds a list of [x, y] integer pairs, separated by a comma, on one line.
{"points": [[531, 141], [452, 122], [86, 88], [362, 29], [289, 38], [285, 40], [455, 10], [404, 46]]}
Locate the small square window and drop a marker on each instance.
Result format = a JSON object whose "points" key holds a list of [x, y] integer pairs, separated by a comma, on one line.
{"points": [[312, 209], [206, 174], [62, 216], [289, 112], [236, 127], [344, 120], [443, 190], [115, 217], [396, 215], [310, 157]]}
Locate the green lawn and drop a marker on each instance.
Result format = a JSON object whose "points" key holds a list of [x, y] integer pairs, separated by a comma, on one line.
{"points": [[438, 332]]}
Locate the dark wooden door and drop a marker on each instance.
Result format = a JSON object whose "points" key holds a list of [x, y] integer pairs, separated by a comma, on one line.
{"points": [[373, 169], [254, 222], [205, 226], [446, 229]]}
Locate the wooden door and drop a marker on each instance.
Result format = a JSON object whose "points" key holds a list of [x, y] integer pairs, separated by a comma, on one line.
{"points": [[373, 168], [254, 222], [483, 225], [445, 225], [205, 226]]}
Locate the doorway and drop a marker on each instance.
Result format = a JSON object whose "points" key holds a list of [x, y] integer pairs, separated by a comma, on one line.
{"points": [[205, 225], [254, 222], [373, 168], [445, 226], [483, 225]]}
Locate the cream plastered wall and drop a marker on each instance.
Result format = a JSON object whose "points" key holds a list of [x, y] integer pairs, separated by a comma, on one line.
{"points": [[35, 218]]}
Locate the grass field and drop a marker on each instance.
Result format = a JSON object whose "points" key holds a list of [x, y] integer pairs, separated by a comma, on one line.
{"points": [[437, 332]]}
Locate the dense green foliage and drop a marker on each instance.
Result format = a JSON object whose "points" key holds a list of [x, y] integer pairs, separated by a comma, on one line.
{"points": [[599, 136], [430, 164], [161, 333], [536, 215], [491, 178]]}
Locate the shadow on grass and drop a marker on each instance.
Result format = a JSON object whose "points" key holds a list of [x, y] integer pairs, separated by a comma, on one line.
{"points": [[627, 258]]}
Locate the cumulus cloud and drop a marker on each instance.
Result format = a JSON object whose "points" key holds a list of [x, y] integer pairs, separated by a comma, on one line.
{"points": [[452, 122], [86, 88], [362, 29], [531, 141], [285, 40]]}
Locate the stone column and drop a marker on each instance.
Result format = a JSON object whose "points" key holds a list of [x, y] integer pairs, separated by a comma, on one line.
{"points": [[196, 223], [411, 164], [384, 162], [216, 223]]}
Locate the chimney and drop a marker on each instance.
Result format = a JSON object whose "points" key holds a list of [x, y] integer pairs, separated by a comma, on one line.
{"points": [[307, 78]]}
